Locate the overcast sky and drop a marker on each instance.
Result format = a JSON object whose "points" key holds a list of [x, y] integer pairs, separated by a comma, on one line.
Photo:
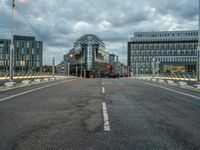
{"points": [[60, 22]]}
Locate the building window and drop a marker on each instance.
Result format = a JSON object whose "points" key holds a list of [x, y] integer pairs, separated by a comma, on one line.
{"points": [[38, 45]]}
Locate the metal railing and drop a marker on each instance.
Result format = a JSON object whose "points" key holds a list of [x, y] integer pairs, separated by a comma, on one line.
{"points": [[177, 76], [24, 75], [172, 76]]}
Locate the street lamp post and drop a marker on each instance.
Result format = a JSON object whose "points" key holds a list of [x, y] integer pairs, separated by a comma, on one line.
{"points": [[128, 70], [70, 56], [81, 65], [137, 70], [84, 73], [157, 67], [123, 71], [53, 67], [153, 66], [12, 44], [76, 71], [198, 49], [68, 68]]}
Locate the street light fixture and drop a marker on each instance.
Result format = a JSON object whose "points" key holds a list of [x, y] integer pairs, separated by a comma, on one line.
{"points": [[68, 63], [71, 55]]}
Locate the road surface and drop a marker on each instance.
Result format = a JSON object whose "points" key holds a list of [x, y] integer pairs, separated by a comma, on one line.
{"points": [[91, 114]]}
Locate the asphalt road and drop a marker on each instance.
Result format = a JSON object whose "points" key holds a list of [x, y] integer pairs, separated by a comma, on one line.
{"points": [[68, 115]]}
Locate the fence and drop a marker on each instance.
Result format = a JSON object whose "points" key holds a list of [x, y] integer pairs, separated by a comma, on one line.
{"points": [[174, 76], [24, 75]]}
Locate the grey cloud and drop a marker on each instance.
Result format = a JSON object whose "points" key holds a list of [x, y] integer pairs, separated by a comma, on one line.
{"points": [[185, 9], [55, 21]]}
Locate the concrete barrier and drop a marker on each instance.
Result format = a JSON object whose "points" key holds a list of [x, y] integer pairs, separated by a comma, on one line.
{"points": [[188, 87], [154, 80], [26, 81], [9, 84], [171, 82], [161, 81], [52, 78], [149, 79], [37, 80], [181, 83], [46, 79], [197, 86]]}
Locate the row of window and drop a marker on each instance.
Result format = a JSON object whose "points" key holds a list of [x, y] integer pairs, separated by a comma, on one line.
{"points": [[4, 56], [21, 57], [22, 51], [179, 34], [27, 57], [21, 63], [147, 59], [177, 59], [165, 40], [166, 46], [164, 53], [20, 44], [28, 51], [143, 65]]}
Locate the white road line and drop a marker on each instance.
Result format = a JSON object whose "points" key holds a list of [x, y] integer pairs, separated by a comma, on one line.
{"points": [[102, 83], [105, 117], [103, 90], [29, 91], [171, 90]]}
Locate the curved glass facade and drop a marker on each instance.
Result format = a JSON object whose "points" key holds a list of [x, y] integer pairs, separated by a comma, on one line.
{"points": [[88, 50]]}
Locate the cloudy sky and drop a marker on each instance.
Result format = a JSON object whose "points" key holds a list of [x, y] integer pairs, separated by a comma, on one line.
{"points": [[60, 22]]}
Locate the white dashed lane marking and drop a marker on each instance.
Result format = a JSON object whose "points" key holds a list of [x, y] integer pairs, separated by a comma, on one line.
{"points": [[103, 90], [105, 117]]}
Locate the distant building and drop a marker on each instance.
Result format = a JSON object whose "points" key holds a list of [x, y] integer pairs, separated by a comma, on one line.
{"points": [[114, 61], [173, 50], [60, 68], [88, 51], [28, 53]]}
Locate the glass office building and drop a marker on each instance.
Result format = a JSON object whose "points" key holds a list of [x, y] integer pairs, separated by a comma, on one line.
{"points": [[171, 49], [88, 51], [90, 48], [114, 61], [28, 53]]}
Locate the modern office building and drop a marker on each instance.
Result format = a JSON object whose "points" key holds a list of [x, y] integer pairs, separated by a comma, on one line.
{"points": [[174, 51], [87, 53], [28, 53], [114, 61], [60, 68]]}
